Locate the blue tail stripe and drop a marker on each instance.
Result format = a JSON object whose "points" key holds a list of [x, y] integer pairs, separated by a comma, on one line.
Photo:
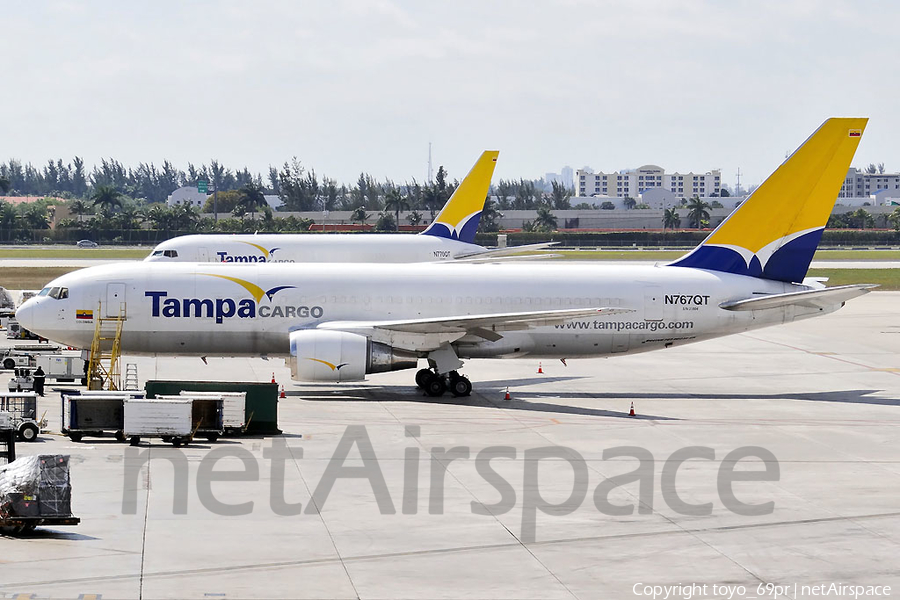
{"points": [[466, 233], [789, 263]]}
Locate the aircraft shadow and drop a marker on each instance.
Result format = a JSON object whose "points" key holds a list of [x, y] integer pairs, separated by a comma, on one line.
{"points": [[844, 396], [478, 399]]}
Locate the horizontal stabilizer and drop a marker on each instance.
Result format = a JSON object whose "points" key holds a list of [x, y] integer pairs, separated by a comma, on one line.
{"points": [[512, 250], [492, 322], [823, 298]]}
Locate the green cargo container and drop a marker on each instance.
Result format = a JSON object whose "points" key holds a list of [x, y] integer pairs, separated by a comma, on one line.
{"points": [[260, 411]]}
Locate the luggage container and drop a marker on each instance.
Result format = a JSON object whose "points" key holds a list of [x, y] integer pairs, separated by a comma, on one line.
{"points": [[206, 414], [168, 419], [232, 408], [93, 414], [22, 406]]}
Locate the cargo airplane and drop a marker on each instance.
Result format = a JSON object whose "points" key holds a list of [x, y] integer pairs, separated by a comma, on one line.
{"points": [[450, 237], [339, 322]]}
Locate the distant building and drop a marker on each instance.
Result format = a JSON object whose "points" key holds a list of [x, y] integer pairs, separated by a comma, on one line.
{"points": [[274, 201], [633, 183], [859, 184], [187, 195]]}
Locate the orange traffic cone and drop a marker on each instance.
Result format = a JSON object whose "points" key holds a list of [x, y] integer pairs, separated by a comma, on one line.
{"points": [[282, 393], [631, 412], [507, 394], [540, 369], [273, 376]]}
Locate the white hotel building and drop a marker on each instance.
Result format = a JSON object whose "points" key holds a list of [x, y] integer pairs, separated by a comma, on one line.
{"points": [[631, 184]]}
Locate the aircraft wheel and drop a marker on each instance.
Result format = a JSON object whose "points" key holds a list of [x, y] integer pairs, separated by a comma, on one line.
{"points": [[435, 386], [460, 386], [422, 377]]}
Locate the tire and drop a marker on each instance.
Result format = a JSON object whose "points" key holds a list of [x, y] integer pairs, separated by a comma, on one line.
{"points": [[436, 387], [135, 440], [120, 436], [422, 377], [9, 363], [212, 437], [460, 386], [167, 439], [28, 432], [75, 436]]}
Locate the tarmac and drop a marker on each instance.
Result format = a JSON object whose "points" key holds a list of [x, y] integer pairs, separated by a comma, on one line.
{"points": [[818, 401]]}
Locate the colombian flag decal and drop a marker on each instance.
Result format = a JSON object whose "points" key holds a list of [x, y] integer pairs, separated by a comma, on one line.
{"points": [[84, 315], [855, 132]]}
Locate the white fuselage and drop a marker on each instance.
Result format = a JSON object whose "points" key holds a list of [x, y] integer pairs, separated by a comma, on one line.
{"points": [[311, 248], [201, 309]]}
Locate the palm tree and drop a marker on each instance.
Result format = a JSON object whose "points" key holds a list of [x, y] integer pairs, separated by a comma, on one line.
{"points": [[396, 202], [108, 197], [78, 207], [414, 218], [359, 215], [671, 219], [545, 221], [489, 216], [160, 216], [251, 198], [698, 211]]}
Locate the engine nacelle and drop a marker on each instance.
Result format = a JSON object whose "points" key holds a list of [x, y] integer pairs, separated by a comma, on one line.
{"points": [[323, 355]]}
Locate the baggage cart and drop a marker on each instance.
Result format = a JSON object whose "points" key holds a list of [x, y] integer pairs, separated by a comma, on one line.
{"points": [[168, 419], [93, 415], [36, 491], [206, 414], [233, 403]]}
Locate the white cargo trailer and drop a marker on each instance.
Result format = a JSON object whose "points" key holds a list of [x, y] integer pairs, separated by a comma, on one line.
{"points": [[67, 366], [233, 408], [93, 414], [168, 419]]}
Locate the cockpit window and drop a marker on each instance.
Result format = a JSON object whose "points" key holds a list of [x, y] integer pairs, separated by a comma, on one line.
{"points": [[57, 293], [166, 253], [44, 291], [63, 293], [54, 292]]}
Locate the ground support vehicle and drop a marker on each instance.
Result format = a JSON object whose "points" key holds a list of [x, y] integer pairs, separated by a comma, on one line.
{"points": [[169, 419], [22, 407]]}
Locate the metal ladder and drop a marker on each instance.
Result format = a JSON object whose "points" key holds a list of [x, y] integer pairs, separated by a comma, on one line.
{"points": [[131, 377], [103, 367]]}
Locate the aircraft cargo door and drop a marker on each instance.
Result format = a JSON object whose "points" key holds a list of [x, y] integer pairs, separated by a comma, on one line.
{"points": [[653, 303], [115, 299]]}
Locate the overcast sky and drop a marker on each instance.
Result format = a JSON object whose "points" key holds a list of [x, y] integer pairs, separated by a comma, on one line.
{"points": [[356, 85]]}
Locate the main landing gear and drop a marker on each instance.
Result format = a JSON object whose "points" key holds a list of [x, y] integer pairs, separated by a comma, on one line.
{"points": [[435, 385]]}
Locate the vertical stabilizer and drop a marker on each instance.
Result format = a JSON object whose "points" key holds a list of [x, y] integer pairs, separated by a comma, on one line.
{"points": [[775, 232], [458, 220]]}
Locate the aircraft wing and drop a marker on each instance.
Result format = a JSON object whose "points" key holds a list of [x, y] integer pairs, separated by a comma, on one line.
{"points": [[497, 252], [485, 326], [820, 298]]}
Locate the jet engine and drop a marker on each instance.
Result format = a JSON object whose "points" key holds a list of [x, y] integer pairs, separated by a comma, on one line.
{"points": [[322, 355]]}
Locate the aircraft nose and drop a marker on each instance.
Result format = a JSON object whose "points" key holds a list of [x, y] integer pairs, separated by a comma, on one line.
{"points": [[25, 314]]}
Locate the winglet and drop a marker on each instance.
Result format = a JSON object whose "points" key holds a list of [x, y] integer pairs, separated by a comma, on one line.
{"points": [[775, 232], [458, 220]]}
